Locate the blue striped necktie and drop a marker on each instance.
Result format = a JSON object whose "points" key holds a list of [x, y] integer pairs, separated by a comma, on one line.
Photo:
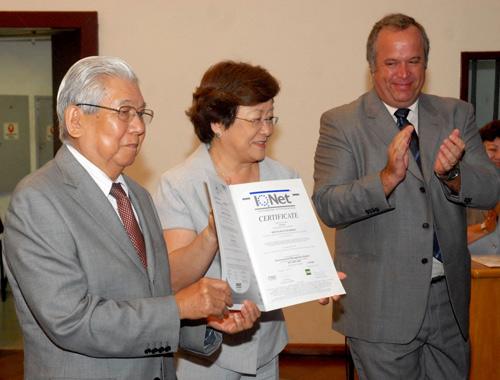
{"points": [[401, 116], [402, 121]]}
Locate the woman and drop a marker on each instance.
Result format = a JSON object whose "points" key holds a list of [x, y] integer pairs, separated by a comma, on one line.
{"points": [[233, 116], [483, 231]]}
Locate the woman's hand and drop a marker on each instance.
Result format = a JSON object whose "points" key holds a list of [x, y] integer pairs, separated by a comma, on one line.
{"points": [[490, 222], [209, 234], [478, 231], [190, 254]]}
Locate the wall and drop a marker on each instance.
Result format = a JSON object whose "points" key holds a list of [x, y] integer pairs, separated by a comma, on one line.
{"points": [[315, 48]]}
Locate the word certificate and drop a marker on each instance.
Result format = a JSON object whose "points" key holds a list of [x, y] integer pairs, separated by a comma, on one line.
{"points": [[271, 246]]}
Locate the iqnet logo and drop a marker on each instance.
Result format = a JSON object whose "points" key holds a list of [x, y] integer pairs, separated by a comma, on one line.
{"points": [[272, 198]]}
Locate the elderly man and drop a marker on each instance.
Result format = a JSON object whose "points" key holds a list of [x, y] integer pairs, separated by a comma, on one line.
{"points": [[394, 173], [84, 246]]}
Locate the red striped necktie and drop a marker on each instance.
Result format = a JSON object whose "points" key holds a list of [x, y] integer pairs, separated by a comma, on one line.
{"points": [[129, 221]]}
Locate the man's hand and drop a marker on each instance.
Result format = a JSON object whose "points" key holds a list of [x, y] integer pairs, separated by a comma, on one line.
{"points": [[397, 160], [236, 321], [206, 297], [326, 301], [450, 152]]}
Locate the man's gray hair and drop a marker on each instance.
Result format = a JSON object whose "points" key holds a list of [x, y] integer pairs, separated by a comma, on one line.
{"points": [[396, 21], [83, 83]]}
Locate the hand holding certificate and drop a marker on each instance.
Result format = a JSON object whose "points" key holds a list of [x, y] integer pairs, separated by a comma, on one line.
{"points": [[272, 249]]}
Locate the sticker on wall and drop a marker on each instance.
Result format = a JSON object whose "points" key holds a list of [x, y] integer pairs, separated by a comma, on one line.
{"points": [[49, 135], [10, 131]]}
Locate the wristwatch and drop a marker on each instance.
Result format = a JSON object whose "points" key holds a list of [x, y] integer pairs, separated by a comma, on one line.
{"points": [[451, 175]]}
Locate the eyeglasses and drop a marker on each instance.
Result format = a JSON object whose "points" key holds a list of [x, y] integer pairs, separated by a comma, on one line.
{"points": [[126, 113], [257, 123]]}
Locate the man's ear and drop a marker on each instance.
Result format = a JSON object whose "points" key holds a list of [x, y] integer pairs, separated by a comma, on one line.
{"points": [[73, 116]]}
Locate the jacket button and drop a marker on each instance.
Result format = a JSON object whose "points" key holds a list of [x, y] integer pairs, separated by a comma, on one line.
{"points": [[425, 225], [156, 378], [154, 350], [147, 351], [424, 261], [422, 189], [168, 348]]}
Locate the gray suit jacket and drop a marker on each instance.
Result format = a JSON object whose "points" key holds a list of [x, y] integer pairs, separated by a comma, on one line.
{"points": [[87, 307], [385, 244]]}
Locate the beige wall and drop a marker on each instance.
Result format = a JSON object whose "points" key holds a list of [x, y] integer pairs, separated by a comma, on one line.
{"points": [[315, 48]]}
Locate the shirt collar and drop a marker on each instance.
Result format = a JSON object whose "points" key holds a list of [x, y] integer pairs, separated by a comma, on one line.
{"points": [[412, 108], [412, 116], [100, 178]]}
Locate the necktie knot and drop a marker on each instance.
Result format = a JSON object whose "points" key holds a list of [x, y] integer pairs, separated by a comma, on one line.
{"points": [[401, 117], [117, 190]]}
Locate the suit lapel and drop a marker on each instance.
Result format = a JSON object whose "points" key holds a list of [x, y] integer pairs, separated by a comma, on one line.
{"points": [[430, 134], [85, 191], [385, 128]]}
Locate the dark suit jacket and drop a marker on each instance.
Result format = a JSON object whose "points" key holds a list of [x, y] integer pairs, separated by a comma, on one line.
{"points": [[87, 307], [385, 244]]}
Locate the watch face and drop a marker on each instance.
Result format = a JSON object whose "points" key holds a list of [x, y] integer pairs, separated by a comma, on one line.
{"points": [[454, 173]]}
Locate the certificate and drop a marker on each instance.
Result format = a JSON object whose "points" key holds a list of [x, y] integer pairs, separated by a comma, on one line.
{"points": [[271, 246]]}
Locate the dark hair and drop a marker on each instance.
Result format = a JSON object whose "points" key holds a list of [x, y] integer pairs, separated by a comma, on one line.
{"points": [[396, 21], [225, 86], [490, 131]]}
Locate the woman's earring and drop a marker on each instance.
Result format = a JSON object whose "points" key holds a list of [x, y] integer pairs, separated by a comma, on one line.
{"points": [[218, 135]]}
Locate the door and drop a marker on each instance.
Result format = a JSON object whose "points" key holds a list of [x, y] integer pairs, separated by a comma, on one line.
{"points": [[44, 127], [14, 140]]}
